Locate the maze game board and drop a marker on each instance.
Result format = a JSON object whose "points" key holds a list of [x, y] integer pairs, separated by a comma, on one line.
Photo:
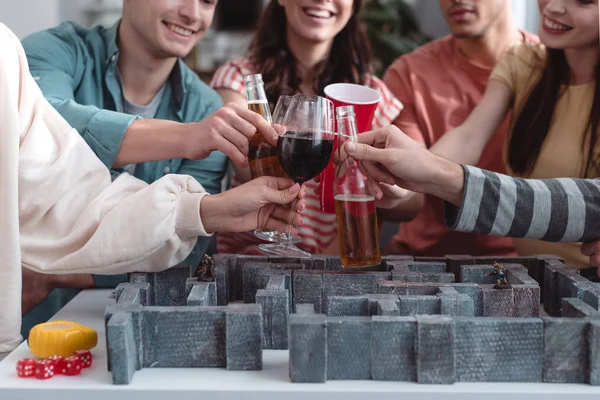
{"points": [[425, 320]]}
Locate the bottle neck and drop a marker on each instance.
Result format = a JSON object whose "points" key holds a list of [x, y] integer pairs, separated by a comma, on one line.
{"points": [[256, 93], [347, 129]]}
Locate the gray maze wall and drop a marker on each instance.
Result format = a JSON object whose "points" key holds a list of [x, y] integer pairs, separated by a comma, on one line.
{"points": [[426, 320]]}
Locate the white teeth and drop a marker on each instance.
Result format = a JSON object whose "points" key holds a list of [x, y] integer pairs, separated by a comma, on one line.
{"points": [[554, 25], [318, 13], [180, 30]]}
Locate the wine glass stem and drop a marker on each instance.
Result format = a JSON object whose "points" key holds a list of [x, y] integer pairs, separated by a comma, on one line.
{"points": [[288, 237]]}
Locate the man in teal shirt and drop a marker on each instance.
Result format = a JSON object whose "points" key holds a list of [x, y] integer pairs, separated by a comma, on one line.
{"points": [[139, 107]]}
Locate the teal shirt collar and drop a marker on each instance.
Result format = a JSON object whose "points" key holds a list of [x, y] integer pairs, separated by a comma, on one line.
{"points": [[175, 79]]}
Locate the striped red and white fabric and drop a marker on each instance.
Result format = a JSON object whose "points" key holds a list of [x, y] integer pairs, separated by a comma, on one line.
{"points": [[319, 229]]}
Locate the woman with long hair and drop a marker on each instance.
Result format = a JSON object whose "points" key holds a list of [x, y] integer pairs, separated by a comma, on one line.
{"points": [[301, 46], [553, 92]]}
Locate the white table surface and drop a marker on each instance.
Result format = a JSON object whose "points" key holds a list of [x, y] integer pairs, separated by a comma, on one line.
{"points": [[212, 383]]}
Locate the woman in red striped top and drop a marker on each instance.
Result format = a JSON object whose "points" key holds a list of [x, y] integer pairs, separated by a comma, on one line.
{"points": [[301, 46]]}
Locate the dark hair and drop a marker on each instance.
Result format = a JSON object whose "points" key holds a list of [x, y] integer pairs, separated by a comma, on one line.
{"points": [[533, 122], [349, 59]]}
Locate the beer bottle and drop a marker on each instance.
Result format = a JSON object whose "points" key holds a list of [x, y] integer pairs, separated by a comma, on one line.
{"points": [[356, 214], [262, 157]]}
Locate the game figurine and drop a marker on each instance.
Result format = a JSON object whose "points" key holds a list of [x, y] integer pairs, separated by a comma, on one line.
{"points": [[205, 270], [501, 282]]}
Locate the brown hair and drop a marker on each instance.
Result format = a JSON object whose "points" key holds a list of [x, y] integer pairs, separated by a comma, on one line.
{"points": [[349, 59], [533, 122]]}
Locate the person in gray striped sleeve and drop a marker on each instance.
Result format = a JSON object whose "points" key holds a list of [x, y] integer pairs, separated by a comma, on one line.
{"points": [[485, 202]]}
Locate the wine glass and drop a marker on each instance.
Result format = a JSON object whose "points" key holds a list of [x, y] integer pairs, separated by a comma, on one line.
{"points": [[281, 108], [304, 150], [277, 118]]}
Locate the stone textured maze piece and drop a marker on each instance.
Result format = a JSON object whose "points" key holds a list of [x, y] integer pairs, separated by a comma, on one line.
{"points": [[348, 348], [472, 290], [430, 259], [454, 262], [477, 274], [499, 350], [308, 348], [565, 350], [236, 284], [497, 302], [347, 306], [575, 308], [305, 309], [183, 337], [201, 293], [351, 284], [587, 291], [275, 312], [169, 286], [393, 349], [224, 265], [520, 277], [408, 288], [143, 280], [387, 308], [566, 284], [128, 294], [593, 339], [307, 288], [281, 282], [419, 305], [123, 350], [551, 299], [374, 300], [455, 304], [526, 300], [435, 350], [136, 311], [244, 338], [257, 275], [422, 277], [424, 267]]}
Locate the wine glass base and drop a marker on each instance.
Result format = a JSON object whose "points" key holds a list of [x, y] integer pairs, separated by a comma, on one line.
{"points": [[284, 249], [276, 237]]}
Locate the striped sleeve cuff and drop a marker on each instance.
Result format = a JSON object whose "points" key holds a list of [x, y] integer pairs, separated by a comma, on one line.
{"points": [[554, 210], [464, 217]]}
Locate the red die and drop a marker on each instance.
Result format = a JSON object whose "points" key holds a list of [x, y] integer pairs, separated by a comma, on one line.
{"points": [[56, 360], [26, 368], [85, 356], [44, 369], [70, 366]]}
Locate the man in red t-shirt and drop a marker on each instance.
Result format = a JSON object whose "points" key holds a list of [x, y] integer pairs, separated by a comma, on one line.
{"points": [[439, 84]]}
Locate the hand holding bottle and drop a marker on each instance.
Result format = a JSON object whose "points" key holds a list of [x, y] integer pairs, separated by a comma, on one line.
{"points": [[391, 157]]}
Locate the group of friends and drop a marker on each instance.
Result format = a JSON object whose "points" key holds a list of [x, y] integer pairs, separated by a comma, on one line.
{"points": [[113, 152]]}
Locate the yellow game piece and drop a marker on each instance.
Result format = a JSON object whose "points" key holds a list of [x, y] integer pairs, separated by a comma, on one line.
{"points": [[61, 338]]}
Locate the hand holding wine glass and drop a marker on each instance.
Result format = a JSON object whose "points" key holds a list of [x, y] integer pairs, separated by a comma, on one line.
{"points": [[305, 148]]}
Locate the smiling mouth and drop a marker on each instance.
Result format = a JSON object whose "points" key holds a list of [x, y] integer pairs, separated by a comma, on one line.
{"points": [[317, 13], [180, 30], [557, 26]]}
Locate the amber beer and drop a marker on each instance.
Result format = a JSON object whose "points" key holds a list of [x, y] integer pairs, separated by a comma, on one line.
{"points": [[262, 157], [357, 230]]}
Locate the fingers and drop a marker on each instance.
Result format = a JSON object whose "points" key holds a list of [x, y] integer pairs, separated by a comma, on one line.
{"points": [[377, 138], [279, 219], [279, 190], [365, 152], [590, 248], [376, 173], [258, 122], [279, 129], [231, 151]]}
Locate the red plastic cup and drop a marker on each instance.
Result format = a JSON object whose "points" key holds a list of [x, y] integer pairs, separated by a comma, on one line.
{"points": [[365, 101]]}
